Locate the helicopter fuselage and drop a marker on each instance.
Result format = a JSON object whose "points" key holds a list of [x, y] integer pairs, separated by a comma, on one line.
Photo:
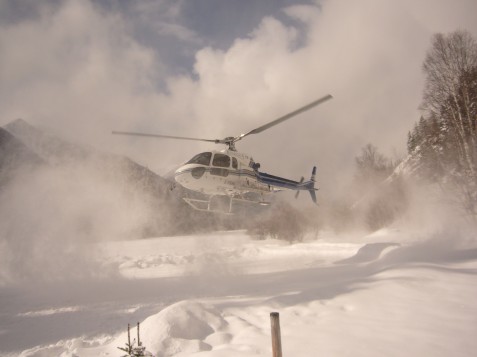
{"points": [[224, 172], [233, 174]]}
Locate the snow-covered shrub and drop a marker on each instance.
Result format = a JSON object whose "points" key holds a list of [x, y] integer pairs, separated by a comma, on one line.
{"points": [[283, 222]]}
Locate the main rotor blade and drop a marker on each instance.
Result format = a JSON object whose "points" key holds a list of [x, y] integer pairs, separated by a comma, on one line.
{"points": [[287, 116], [164, 136]]}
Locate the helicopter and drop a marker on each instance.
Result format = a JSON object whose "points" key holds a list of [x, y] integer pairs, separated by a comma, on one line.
{"points": [[232, 175]]}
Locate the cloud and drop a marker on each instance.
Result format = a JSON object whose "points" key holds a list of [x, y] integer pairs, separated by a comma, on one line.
{"points": [[160, 21], [50, 218], [84, 70], [368, 54], [74, 69]]}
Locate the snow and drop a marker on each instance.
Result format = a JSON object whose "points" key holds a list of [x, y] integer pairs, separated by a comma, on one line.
{"points": [[391, 293]]}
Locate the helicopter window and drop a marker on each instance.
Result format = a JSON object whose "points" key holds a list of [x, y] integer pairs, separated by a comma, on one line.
{"points": [[234, 163], [219, 172], [221, 160], [201, 159], [198, 172]]}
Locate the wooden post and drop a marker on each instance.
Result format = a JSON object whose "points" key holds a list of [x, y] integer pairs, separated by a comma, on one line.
{"points": [[138, 340], [129, 340], [276, 338]]}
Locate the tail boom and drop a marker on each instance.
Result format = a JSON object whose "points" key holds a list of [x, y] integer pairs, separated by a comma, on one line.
{"points": [[290, 184]]}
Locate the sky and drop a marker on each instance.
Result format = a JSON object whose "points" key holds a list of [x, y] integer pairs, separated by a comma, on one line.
{"points": [[211, 69]]}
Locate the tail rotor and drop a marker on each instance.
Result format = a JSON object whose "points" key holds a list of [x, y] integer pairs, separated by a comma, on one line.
{"points": [[308, 185], [298, 192]]}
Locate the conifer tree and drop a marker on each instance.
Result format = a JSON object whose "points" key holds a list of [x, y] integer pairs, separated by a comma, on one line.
{"points": [[445, 138]]}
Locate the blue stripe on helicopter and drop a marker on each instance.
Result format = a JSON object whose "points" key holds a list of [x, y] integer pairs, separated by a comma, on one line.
{"points": [[277, 181], [261, 177]]}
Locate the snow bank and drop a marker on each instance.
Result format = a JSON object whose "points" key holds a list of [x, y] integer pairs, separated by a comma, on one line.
{"points": [[185, 327]]}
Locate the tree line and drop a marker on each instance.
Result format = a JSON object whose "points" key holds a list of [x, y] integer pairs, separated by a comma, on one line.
{"points": [[444, 140], [442, 146], [442, 151]]}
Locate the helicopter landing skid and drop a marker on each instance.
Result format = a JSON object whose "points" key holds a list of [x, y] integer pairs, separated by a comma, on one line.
{"points": [[219, 204]]}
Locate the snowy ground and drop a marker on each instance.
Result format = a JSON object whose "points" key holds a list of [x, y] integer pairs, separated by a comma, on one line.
{"points": [[392, 293]]}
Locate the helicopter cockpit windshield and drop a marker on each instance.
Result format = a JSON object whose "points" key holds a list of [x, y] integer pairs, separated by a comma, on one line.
{"points": [[201, 159]]}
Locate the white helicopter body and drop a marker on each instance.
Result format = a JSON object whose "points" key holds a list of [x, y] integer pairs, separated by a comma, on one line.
{"points": [[223, 172]]}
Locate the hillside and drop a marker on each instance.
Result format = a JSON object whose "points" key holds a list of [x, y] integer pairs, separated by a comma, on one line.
{"points": [[158, 209], [15, 158]]}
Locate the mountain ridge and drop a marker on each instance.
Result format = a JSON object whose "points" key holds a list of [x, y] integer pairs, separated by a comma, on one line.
{"points": [[168, 213]]}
